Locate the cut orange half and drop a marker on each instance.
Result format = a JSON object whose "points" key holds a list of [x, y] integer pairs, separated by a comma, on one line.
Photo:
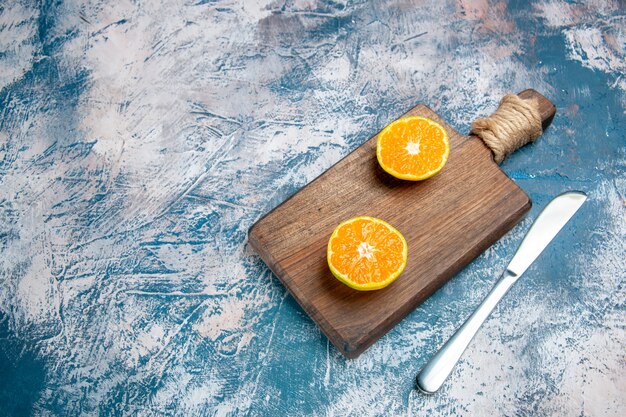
{"points": [[413, 148], [366, 253]]}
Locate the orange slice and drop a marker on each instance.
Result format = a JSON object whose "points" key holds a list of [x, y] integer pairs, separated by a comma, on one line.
{"points": [[366, 253], [413, 148]]}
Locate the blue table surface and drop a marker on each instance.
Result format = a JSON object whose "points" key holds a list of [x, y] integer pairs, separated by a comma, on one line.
{"points": [[139, 141]]}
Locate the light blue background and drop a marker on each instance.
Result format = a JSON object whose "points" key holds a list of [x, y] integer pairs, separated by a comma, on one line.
{"points": [[140, 140]]}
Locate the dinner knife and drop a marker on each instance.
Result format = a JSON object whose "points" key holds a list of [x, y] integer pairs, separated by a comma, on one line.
{"points": [[549, 222]]}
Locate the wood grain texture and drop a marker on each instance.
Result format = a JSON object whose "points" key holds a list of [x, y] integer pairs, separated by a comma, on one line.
{"points": [[447, 221]]}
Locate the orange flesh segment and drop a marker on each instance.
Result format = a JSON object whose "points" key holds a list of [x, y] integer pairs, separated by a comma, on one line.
{"points": [[413, 148], [366, 252]]}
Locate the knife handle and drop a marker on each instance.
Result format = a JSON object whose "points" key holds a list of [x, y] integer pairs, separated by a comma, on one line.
{"points": [[432, 376]]}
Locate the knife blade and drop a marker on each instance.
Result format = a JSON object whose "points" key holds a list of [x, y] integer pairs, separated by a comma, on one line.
{"points": [[549, 222]]}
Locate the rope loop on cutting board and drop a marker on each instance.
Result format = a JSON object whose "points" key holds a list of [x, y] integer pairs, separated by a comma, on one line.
{"points": [[515, 123]]}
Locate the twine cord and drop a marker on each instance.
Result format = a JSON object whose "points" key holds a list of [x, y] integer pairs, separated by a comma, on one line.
{"points": [[515, 123]]}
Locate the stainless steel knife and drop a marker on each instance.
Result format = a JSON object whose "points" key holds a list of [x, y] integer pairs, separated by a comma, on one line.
{"points": [[552, 219]]}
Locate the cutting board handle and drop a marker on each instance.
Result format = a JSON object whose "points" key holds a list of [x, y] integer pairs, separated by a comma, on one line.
{"points": [[520, 119], [546, 108]]}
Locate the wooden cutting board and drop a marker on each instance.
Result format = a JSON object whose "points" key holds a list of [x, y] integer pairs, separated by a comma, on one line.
{"points": [[447, 221]]}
